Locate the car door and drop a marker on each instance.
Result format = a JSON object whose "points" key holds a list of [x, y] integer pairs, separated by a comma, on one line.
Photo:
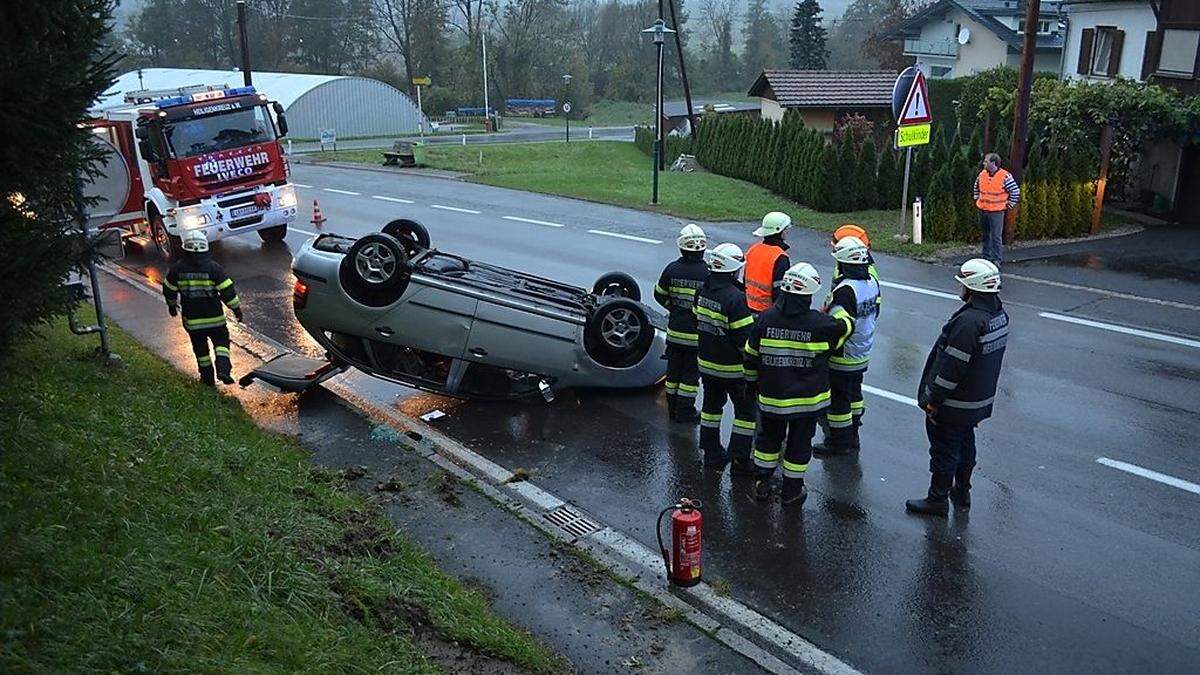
{"points": [[506, 336], [429, 318]]}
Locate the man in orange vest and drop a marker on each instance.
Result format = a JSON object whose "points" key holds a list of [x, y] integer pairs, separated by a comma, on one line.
{"points": [[766, 262], [996, 191]]}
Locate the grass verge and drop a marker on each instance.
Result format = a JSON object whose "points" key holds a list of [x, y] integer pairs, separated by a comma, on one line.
{"points": [[150, 525]]}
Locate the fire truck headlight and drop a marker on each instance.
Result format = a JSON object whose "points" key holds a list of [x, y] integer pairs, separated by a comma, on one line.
{"points": [[287, 197], [193, 220]]}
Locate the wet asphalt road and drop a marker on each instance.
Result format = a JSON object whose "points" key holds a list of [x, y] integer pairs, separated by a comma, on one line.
{"points": [[1063, 564]]}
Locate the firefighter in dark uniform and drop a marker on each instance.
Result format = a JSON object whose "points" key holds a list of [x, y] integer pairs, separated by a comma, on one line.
{"points": [[197, 285], [788, 352], [959, 384], [855, 291], [676, 291], [723, 321]]}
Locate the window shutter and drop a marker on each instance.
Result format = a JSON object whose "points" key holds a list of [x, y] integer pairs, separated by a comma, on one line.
{"points": [[1114, 58], [1153, 49], [1085, 50]]}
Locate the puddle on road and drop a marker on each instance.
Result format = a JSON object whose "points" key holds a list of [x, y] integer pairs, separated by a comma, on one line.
{"points": [[1143, 266]]}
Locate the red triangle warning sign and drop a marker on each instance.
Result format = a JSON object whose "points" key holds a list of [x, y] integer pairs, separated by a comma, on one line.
{"points": [[916, 105]]}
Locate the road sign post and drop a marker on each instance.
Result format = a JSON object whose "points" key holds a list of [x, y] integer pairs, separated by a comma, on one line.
{"points": [[421, 82], [913, 123], [567, 114]]}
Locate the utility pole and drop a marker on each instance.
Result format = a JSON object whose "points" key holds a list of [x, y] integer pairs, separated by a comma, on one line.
{"points": [[687, 90], [1016, 152], [487, 126], [658, 31], [241, 20]]}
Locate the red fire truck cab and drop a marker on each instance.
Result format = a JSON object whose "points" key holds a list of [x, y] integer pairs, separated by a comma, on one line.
{"points": [[205, 158]]}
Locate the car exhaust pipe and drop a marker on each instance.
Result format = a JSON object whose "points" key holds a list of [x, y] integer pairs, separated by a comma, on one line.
{"points": [[547, 392]]}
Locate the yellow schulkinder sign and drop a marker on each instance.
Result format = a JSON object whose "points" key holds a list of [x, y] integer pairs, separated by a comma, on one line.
{"points": [[912, 134]]}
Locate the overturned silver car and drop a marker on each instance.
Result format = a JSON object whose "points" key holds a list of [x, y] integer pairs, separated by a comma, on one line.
{"points": [[390, 305]]}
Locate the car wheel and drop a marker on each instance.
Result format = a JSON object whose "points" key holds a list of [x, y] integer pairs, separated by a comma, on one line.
{"points": [[412, 234], [374, 271], [617, 285], [169, 246], [273, 235], [618, 334]]}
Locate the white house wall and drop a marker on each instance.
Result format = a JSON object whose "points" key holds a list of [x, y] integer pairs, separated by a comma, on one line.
{"points": [[1135, 18], [984, 50], [771, 110]]}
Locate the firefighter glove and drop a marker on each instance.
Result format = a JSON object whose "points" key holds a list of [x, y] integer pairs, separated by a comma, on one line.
{"points": [[173, 310], [237, 312]]}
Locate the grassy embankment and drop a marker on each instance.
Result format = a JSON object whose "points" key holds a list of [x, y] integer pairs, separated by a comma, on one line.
{"points": [[148, 524], [617, 173]]}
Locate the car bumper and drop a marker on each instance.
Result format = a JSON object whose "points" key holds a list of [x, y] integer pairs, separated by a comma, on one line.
{"points": [[234, 214]]}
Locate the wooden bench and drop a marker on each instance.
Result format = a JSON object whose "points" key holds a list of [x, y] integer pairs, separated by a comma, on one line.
{"points": [[401, 154]]}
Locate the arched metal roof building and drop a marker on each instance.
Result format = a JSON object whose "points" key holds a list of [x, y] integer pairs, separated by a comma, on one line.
{"points": [[352, 106]]}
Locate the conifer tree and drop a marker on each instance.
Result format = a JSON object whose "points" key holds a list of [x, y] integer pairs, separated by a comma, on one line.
{"points": [[808, 50]]}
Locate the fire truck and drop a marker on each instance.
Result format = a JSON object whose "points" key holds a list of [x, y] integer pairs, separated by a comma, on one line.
{"points": [[199, 158]]}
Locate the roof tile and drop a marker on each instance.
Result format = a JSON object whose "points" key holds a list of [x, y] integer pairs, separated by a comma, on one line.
{"points": [[828, 88]]}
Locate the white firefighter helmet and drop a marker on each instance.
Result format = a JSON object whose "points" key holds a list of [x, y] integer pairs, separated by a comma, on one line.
{"points": [[773, 223], [801, 279], [979, 275], [195, 241], [692, 238], [725, 258], [850, 250]]}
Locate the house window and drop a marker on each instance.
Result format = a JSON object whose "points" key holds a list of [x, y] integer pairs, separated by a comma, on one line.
{"points": [[1043, 27], [939, 71], [1178, 55], [1106, 51]]}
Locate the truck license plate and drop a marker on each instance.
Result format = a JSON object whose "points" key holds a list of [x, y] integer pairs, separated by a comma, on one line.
{"points": [[243, 211]]}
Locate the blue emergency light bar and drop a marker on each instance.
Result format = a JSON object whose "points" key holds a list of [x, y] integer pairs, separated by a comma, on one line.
{"points": [[211, 95]]}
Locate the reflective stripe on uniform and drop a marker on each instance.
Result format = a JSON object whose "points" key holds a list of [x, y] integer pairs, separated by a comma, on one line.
{"points": [[671, 386], [725, 370], [207, 322], [843, 365], [767, 460], [205, 360], [857, 407], [743, 427], [196, 283], [968, 405], [839, 420], [942, 382], [717, 318], [785, 406], [794, 470], [958, 354], [234, 302], [750, 375], [222, 351], [710, 419], [682, 338], [224, 284], [681, 290], [742, 323], [791, 347], [169, 286], [688, 390]]}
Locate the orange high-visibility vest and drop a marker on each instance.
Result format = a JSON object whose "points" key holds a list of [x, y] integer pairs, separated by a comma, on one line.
{"points": [[992, 195], [760, 269]]}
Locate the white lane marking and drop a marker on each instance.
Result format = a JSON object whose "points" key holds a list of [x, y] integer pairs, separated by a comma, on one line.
{"points": [[309, 233], [1105, 292], [531, 220], [1152, 475], [1122, 329], [342, 192], [628, 237], [918, 289], [453, 208], [899, 398], [392, 199], [301, 185]]}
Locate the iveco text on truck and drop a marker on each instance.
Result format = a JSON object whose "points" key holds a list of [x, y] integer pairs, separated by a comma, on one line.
{"points": [[201, 157]]}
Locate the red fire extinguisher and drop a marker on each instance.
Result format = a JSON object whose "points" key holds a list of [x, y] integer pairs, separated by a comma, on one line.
{"points": [[687, 532]]}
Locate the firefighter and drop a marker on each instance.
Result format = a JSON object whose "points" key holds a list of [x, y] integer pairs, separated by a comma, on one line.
{"points": [[788, 354], [766, 262], [958, 385], [853, 230], [723, 322], [858, 294], [197, 285], [676, 291]]}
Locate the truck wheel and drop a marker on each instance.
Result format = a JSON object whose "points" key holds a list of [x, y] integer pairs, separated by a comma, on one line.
{"points": [[412, 234], [618, 334], [273, 235], [169, 246], [375, 270], [617, 285]]}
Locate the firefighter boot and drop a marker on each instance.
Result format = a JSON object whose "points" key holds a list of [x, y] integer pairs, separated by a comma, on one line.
{"points": [[742, 466], [794, 493], [960, 494], [936, 503], [836, 442], [762, 489], [671, 399], [685, 411], [855, 444]]}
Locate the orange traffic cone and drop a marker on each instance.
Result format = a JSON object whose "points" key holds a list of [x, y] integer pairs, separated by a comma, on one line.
{"points": [[318, 217]]}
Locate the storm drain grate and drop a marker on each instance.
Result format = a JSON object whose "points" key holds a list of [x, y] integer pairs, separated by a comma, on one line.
{"points": [[571, 521]]}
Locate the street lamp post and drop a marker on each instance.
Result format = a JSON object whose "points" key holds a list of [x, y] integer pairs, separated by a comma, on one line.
{"points": [[659, 31], [567, 104]]}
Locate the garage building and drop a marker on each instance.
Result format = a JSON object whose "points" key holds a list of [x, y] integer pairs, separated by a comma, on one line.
{"points": [[351, 106]]}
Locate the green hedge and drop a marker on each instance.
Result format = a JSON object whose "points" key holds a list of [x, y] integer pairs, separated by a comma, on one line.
{"points": [[674, 146]]}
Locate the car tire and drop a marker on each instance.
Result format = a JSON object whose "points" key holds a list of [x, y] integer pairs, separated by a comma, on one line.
{"points": [[617, 285], [273, 235], [412, 234], [169, 246], [374, 272], [618, 334]]}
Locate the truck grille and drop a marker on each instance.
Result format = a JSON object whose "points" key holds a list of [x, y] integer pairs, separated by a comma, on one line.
{"points": [[237, 201]]}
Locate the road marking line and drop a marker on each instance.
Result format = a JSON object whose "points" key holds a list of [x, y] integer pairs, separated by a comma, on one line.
{"points": [[392, 199], [531, 220], [899, 398], [301, 185], [453, 208], [342, 192], [1122, 329], [1152, 475], [628, 237], [918, 289], [309, 233], [1101, 291]]}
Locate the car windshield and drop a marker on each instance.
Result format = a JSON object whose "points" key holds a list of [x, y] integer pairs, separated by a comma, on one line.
{"points": [[226, 131]]}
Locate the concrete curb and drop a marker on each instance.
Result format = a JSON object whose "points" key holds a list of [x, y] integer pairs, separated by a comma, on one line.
{"points": [[737, 626]]}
